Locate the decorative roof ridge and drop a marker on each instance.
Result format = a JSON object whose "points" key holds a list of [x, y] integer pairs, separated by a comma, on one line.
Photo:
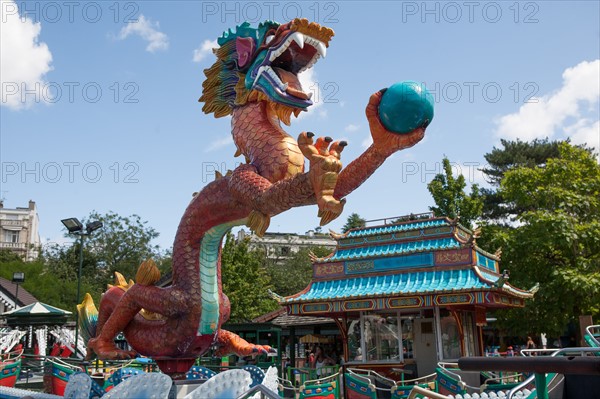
{"points": [[448, 220], [485, 253], [458, 224], [503, 285], [282, 300], [479, 274]]}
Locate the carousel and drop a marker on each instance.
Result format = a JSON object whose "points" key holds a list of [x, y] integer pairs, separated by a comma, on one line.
{"points": [[407, 295]]}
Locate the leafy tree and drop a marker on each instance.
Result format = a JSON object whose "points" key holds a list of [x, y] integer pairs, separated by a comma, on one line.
{"points": [[500, 160], [6, 255], [245, 281], [123, 243], [450, 198], [45, 285], [62, 260], [292, 275], [557, 241], [354, 221], [410, 217]]}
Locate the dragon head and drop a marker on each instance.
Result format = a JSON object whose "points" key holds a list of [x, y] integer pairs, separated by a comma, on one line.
{"points": [[262, 64]]}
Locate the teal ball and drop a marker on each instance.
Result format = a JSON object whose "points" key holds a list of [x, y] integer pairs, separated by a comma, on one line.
{"points": [[406, 106]]}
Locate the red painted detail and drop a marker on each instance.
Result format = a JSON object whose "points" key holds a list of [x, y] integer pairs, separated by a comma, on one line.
{"points": [[8, 381], [175, 368]]}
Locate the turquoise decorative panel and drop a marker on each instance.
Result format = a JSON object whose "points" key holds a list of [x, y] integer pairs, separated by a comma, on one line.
{"points": [[395, 263], [486, 262]]}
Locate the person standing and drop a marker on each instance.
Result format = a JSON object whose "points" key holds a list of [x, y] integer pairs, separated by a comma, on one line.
{"points": [[321, 360], [530, 345]]}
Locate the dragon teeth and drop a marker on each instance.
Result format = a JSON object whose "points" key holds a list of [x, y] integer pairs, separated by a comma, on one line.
{"points": [[260, 72], [298, 38], [321, 49], [276, 78]]}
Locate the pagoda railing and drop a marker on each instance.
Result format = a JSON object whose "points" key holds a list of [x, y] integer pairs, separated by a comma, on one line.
{"points": [[400, 219]]}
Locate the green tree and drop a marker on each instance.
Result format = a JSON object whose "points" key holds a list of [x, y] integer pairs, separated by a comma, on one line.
{"points": [[450, 198], [245, 281], [6, 255], [44, 285], [122, 243], [354, 221], [292, 275], [500, 160], [62, 260], [557, 240]]}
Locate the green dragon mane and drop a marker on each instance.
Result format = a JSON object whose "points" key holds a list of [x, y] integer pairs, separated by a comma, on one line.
{"points": [[224, 85]]}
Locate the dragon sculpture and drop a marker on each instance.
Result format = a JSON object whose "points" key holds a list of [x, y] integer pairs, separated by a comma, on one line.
{"points": [[255, 80]]}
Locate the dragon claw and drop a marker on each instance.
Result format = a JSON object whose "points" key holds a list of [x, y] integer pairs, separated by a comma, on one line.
{"points": [[107, 351], [325, 165]]}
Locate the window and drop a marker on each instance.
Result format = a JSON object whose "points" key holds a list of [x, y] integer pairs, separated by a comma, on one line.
{"points": [[285, 251], [381, 337], [354, 341], [11, 236], [386, 337], [450, 337], [407, 336], [469, 328]]}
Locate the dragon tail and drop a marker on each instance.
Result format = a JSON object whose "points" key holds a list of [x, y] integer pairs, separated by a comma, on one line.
{"points": [[88, 318]]}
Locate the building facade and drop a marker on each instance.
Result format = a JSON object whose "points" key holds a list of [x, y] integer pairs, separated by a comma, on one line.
{"points": [[19, 230], [408, 294], [282, 246]]}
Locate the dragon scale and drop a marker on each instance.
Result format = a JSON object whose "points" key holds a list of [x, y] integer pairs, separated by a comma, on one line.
{"points": [[255, 80]]}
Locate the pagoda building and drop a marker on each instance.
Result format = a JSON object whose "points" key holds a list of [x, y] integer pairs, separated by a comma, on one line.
{"points": [[407, 295]]}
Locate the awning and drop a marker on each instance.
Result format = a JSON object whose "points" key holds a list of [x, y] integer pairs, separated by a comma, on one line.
{"points": [[13, 228], [36, 314]]}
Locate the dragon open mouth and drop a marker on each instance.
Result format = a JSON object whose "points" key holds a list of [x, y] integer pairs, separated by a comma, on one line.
{"points": [[283, 63]]}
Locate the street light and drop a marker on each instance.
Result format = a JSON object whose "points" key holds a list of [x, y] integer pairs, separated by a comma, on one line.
{"points": [[74, 226], [17, 278]]}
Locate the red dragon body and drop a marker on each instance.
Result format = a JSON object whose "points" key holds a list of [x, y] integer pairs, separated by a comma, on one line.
{"points": [[255, 81]]}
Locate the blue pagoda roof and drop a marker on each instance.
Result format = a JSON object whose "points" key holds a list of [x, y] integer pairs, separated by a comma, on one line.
{"points": [[400, 248], [393, 284], [393, 228]]}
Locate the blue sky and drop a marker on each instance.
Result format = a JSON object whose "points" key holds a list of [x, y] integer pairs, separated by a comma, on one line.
{"points": [[99, 103]]}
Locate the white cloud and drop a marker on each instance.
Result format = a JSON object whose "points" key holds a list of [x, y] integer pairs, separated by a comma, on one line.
{"points": [[147, 30], [219, 143], [204, 49], [24, 60], [308, 80], [352, 127], [586, 132], [553, 114]]}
